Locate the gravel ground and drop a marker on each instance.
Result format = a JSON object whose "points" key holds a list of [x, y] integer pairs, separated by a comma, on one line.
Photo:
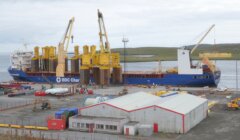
{"points": [[221, 123]]}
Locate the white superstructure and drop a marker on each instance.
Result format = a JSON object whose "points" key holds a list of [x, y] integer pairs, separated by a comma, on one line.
{"points": [[184, 63], [21, 60]]}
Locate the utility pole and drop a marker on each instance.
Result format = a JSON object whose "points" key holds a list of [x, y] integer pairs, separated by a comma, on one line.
{"points": [[125, 41], [236, 76]]}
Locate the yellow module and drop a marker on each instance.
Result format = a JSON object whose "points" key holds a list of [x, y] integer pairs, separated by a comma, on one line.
{"points": [[75, 60], [35, 60], [45, 58], [116, 68], [52, 59], [85, 66], [104, 60], [85, 58]]}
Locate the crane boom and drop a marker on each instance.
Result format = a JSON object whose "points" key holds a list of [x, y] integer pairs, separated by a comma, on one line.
{"points": [[105, 47], [61, 52], [68, 34], [195, 47]]}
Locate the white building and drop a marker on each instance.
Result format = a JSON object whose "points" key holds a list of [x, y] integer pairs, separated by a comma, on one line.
{"points": [[177, 113]]}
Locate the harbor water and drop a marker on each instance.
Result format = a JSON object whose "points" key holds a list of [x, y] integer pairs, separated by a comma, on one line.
{"points": [[227, 67]]}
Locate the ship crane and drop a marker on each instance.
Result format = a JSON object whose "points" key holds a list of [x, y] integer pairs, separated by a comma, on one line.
{"points": [[106, 59], [62, 49], [205, 60], [104, 46], [204, 36]]}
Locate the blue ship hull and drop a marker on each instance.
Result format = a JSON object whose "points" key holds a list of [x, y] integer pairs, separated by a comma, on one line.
{"points": [[194, 80]]}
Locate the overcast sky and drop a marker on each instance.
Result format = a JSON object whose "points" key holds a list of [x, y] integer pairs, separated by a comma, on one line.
{"points": [[168, 23]]}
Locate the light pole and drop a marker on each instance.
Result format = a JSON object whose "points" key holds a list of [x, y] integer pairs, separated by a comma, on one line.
{"points": [[125, 41]]}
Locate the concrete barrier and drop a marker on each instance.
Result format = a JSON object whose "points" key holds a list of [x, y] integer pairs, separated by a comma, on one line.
{"points": [[25, 127], [29, 127], [4, 125], [15, 126]]}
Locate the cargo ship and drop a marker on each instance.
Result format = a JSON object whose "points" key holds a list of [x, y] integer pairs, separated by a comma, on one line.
{"points": [[184, 75], [103, 67]]}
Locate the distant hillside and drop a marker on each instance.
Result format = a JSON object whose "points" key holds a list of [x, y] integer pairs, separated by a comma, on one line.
{"points": [[143, 54]]}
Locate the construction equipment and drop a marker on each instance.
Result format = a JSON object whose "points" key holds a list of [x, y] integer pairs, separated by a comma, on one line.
{"points": [[62, 50], [44, 104], [234, 104], [123, 92]]}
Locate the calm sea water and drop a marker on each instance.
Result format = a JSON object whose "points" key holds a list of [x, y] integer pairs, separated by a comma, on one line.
{"points": [[228, 69], [4, 64]]}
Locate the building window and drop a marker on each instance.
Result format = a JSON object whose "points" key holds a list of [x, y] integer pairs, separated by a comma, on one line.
{"points": [[82, 125], [78, 125], [107, 127], [111, 127], [87, 125], [100, 126]]}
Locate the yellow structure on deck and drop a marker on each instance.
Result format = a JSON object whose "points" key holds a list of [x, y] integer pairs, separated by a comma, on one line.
{"points": [[205, 58], [75, 60], [105, 52], [36, 53], [86, 58], [35, 60], [215, 55], [102, 62]]}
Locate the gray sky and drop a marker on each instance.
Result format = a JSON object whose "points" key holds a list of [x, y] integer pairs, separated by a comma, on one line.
{"points": [[169, 23]]}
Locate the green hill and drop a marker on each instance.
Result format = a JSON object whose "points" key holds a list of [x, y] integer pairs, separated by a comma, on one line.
{"points": [[143, 54]]}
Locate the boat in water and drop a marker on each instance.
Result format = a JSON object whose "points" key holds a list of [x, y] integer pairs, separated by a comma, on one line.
{"points": [[186, 74]]}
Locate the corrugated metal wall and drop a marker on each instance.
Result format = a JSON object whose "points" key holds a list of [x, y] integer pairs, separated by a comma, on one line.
{"points": [[195, 116], [167, 121], [103, 110]]}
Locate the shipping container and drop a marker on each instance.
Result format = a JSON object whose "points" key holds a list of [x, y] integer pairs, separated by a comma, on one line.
{"points": [[56, 124], [145, 130], [58, 114]]}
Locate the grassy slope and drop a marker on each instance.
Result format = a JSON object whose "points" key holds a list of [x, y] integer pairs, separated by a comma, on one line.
{"points": [[167, 53]]}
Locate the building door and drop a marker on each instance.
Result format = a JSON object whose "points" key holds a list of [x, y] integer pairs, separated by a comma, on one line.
{"points": [[155, 128], [127, 131], [91, 127]]}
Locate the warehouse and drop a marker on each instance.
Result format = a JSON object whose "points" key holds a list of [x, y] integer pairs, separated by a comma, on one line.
{"points": [[176, 113]]}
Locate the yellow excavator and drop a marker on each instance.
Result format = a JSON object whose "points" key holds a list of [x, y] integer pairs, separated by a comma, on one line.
{"points": [[234, 104]]}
